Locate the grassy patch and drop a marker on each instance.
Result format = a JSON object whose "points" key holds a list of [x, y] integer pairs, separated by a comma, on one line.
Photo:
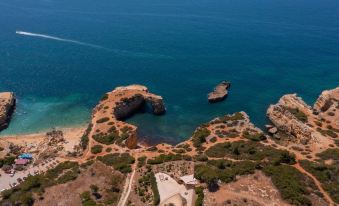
{"points": [[121, 162]]}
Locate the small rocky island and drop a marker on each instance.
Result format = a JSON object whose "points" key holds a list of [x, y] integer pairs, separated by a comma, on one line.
{"points": [[220, 92], [7, 104]]}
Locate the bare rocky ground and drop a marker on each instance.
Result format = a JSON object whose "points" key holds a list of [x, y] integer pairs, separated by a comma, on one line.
{"points": [[255, 189], [68, 194]]}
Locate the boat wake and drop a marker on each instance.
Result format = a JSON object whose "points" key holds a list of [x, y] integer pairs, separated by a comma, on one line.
{"points": [[116, 51], [60, 39]]}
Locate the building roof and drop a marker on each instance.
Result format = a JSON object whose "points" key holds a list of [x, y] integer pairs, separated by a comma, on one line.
{"points": [[21, 161], [189, 180], [25, 156]]}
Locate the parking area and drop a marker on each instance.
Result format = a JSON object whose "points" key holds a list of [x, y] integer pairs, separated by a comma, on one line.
{"points": [[10, 180]]}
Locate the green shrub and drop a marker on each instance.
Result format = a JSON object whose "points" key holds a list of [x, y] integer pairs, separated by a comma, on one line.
{"points": [[199, 191], [84, 139], [156, 195], [234, 117], [258, 136], [201, 158], [166, 158], [96, 149], [298, 114], [105, 97], [199, 136], [86, 199], [106, 139], [141, 161], [102, 120], [329, 154]]}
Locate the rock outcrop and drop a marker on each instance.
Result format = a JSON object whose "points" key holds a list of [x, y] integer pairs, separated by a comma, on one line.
{"points": [[304, 124], [7, 105], [327, 99], [119, 104], [220, 92]]}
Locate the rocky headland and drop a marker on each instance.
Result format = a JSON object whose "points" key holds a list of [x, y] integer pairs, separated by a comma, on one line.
{"points": [[234, 161], [220, 92], [300, 125], [7, 105], [107, 125]]}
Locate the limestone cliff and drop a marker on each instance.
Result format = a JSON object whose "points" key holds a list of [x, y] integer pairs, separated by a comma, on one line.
{"points": [[327, 99], [305, 124], [7, 105]]}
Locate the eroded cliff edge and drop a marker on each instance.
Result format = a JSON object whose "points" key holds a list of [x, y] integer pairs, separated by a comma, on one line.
{"points": [[7, 105]]}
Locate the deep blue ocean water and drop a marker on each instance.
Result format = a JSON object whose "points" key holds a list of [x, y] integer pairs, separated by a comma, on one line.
{"points": [[180, 49]]}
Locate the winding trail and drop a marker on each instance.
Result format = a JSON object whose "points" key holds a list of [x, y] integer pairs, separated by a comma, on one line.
{"points": [[127, 188], [318, 184]]}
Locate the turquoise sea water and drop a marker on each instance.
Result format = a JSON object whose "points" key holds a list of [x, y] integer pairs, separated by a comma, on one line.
{"points": [[73, 51]]}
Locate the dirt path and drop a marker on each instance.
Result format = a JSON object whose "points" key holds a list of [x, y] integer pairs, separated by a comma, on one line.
{"points": [[127, 187], [316, 181]]}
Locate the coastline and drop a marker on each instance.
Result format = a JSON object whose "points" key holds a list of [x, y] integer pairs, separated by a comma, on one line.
{"points": [[69, 133]]}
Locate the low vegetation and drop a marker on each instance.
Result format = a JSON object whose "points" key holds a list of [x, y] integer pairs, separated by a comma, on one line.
{"points": [[223, 170], [254, 136], [301, 116], [23, 193], [167, 158], [327, 174], [121, 162], [294, 186], [107, 139], [96, 149], [146, 181], [199, 137], [199, 191], [84, 139], [102, 120], [248, 150]]}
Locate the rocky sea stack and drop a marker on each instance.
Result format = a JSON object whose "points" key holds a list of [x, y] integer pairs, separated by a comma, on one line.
{"points": [[220, 92], [7, 105]]}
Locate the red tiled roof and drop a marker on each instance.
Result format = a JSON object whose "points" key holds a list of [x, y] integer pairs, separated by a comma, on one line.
{"points": [[21, 161]]}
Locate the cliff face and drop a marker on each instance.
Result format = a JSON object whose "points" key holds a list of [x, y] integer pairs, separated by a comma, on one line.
{"points": [[7, 105], [327, 99], [303, 123]]}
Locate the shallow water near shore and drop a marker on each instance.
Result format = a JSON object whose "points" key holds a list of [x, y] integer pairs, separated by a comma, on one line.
{"points": [[60, 57]]}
